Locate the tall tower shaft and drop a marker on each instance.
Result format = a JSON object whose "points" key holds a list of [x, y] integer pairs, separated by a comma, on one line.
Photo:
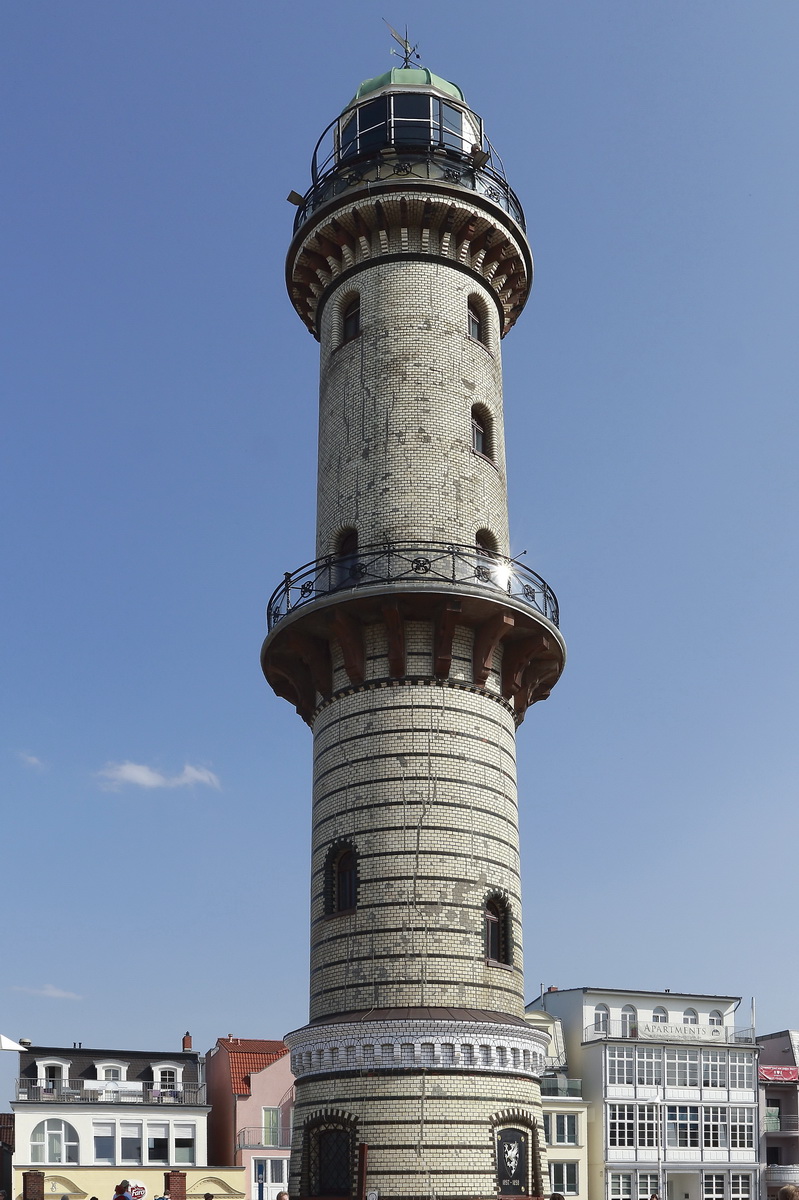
{"points": [[413, 646]]}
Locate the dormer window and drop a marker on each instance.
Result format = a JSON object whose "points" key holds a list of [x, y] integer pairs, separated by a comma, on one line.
{"points": [[167, 1077], [112, 1070], [53, 1073]]}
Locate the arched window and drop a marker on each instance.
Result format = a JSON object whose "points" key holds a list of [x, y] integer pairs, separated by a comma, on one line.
{"points": [[715, 1018], [689, 1017], [629, 1021], [346, 569], [601, 1018], [345, 882], [328, 1158], [476, 320], [482, 431], [351, 320], [54, 1141], [485, 542], [341, 879], [497, 931], [660, 1016]]}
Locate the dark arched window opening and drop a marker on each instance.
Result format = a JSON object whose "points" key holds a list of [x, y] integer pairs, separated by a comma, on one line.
{"points": [[351, 320], [497, 931], [345, 884], [341, 879], [328, 1159], [347, 558], [485, 542]]}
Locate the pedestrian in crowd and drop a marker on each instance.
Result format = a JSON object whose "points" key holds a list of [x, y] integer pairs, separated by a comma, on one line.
{"points": [[122, 1190], [789, 1192], [557, 1196], [282, 1196]]}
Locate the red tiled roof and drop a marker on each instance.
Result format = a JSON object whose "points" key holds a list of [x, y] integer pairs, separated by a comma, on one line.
{"points": [[247, 1056], [7, 1129]]}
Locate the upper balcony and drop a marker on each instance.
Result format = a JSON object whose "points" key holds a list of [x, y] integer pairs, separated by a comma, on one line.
{"points": [[259, 1137], [780, 1123], [413, 566], [98, 1091], [559, 1085], [779, 1176], [646, 1031]]}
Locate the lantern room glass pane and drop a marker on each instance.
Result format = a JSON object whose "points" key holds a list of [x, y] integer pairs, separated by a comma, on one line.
{"points": [[412, 120], [372, 125]]}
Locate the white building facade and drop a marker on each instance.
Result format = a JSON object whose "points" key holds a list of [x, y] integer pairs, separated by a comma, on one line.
{"points": [[672, 1086]]}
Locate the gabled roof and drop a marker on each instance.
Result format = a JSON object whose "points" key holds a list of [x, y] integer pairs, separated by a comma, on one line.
{"points": [[247, 1057]]}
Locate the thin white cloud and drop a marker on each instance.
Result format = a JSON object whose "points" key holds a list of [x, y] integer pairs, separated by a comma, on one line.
{"points": [[32, 761], [114, 775], [50, 991]]}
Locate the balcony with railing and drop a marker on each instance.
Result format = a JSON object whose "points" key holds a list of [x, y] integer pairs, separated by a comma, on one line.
{"points": [[646, 1031], [779, 1176], [413, 565], [559, 1085], [258, 1137], [99, 1091], [780, 1123]]}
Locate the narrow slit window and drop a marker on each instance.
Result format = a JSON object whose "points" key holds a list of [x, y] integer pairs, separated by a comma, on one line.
{"points": [[497, 939]]}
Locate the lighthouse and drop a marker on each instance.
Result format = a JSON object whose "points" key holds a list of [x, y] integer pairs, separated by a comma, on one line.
{"points": [[413, 644]]}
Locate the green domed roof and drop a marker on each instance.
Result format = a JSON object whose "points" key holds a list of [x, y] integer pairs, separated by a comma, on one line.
{"points": [[407, 77]]}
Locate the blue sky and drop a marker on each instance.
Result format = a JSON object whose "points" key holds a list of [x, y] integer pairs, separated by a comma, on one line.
{"points": [[158, 473]]}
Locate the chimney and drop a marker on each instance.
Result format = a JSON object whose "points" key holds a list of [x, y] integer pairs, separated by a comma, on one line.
{"points": [[187, 1040], [552, 988]]}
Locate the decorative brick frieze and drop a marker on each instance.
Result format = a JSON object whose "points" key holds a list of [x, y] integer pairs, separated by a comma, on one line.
{"points": [[411, 1045]]}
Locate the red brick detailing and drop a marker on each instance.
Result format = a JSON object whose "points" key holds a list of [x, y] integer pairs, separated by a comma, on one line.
{"points": [[33, 1185], [175, 1184]]}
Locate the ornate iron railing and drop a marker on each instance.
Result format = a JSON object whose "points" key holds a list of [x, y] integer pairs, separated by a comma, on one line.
{"points": [[433, 165], [417, 564]]}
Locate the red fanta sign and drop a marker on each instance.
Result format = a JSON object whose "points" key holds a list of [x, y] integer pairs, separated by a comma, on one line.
{"points": [[777, 1074]]}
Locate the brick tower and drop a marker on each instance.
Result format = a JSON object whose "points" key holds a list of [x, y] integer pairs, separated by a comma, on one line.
{"points": [[412, 646]]}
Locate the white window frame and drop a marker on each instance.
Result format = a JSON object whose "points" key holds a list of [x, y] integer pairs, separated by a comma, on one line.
{"points": [[65, 1141], [620, 1185], [660, 1016], [648, 1184], [63, 1063], [621, 1125], [715, 1018], [742, 1127], [112, 1064], [649, 1066], [682, 1068], [740, 1185], [128, 1130], [690, 1017], [682, 1127], [714, 1068], [559, 1178], [167, 1065], [620, 1065], [646, 1126], [181, 1129], [629, 1021], [110, 1130], [741, 1066], [712, 1185], [715, 1135], [601, 1018], [566, 1129]]}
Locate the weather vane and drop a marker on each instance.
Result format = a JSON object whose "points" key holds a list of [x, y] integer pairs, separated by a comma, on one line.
{"points": [[408, 51]]}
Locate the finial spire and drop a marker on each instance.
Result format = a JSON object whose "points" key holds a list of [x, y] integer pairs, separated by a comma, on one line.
{"points": [[408, 51]]}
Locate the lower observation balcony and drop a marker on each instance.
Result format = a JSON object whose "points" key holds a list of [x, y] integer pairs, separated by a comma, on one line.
{"points": [[413, 565], [320, 614]]}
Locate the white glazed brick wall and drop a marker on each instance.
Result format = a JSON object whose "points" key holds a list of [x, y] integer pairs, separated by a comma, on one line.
{"points": [[422, 780], [395, 433], [428, 1135]]}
